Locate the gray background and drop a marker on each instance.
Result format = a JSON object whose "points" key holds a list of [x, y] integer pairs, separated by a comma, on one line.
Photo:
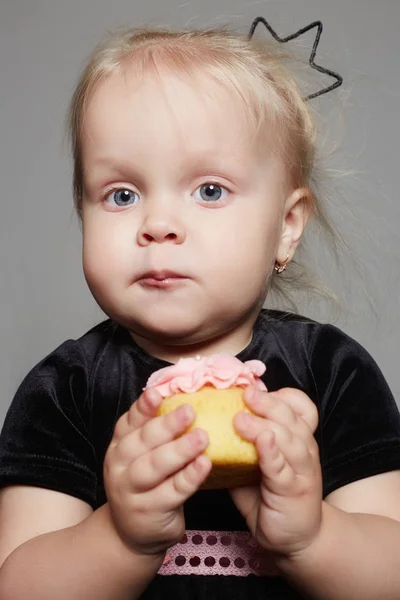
{"points": [[43, 44]]}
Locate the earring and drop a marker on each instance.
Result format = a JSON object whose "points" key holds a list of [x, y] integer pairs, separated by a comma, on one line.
{"points": [[280, 267]]}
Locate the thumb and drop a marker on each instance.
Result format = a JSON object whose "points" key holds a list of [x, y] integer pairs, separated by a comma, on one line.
{"points": [[301, 404]]}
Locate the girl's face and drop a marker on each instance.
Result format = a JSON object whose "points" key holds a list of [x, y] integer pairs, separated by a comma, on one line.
{"points": [[183, 217]]}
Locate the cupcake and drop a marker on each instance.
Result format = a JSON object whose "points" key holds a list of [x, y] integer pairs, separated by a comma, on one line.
{"points": [[214, 386]]}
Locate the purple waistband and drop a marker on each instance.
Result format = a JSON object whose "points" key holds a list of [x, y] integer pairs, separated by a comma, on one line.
{"points": [[218, 553]]}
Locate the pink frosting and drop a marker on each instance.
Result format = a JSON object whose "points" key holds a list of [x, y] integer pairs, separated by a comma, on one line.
{"points": [[220, 371]]}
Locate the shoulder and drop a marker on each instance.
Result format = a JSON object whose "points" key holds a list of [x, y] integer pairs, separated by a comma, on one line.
{"points": [[64, 377], [321, 340], [76, 354], [359, 425], [318, 358], [50, 434]]}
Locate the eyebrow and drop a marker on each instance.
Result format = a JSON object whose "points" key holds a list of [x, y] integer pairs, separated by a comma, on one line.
{"points": [[193, 158], [204, 161]]}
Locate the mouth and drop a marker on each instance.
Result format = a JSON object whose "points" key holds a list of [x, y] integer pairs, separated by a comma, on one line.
{"points": [[161, 279]]}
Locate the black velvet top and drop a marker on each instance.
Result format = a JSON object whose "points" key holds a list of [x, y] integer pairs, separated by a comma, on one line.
{"points": [[62, 417]]}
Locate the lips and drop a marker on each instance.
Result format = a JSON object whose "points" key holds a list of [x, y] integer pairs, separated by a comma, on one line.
{"points": [[161, 275], [161, 279]]}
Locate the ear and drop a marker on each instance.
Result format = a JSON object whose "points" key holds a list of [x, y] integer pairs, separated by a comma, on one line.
{"points": [[297, 211]]}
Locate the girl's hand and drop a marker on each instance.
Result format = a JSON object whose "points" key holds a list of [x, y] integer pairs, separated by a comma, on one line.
{"points": [[284, 513], [149, 474]]}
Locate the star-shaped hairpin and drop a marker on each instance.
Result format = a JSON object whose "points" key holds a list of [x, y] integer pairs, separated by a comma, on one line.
{"points": [[313, 65]]}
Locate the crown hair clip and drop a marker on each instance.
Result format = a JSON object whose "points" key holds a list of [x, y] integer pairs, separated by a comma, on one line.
{"points": [[313, 65]]}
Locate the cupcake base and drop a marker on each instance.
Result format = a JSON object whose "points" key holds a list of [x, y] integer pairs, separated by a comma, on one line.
{"points": [[234, 459]]}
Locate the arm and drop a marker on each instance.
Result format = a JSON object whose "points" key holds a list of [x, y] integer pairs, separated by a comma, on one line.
{"points": [[151, 468], [346, 547], [355, 555], [84, 561]]}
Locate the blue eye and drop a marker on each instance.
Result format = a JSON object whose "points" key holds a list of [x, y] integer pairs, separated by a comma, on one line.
{"points": [[122, 197], [210, 192]]}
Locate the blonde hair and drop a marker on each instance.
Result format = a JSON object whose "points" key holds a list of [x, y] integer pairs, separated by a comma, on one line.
{"points": [[254, 70]]}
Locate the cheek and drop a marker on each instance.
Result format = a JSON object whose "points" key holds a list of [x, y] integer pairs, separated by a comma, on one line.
{"points": [[102, 252], [241, 258], [251, 241]]}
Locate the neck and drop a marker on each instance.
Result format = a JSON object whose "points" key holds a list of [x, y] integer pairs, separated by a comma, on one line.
{"points": [[227, 342]]}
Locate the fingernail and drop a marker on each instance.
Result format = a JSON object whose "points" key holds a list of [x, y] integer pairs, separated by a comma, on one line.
{"points": [[153, 397], [186, 412], [200, 462], [250, 392], [198, 438], [245, 418]]}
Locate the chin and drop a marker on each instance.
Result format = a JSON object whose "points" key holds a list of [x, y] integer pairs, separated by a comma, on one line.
{"points": [[178, 324], [164, 328]]}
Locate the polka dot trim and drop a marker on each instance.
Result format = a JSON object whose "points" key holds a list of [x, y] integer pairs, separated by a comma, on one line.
{"points": [[218, 553]]}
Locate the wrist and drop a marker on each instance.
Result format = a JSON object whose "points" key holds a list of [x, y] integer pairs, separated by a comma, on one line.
{"points": [[126, 551], [311, 553]]}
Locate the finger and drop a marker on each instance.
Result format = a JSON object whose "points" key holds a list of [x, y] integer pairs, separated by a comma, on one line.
{"points": [[156, 432], [301, 452], [302, 405], [141, 411], [278, 475], [269, 406], [153, 468], [183, 484], [282, 474], [287, 406], [250, 425]]}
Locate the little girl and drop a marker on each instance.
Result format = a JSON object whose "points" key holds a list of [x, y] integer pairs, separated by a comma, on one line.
{"points": [[193, 154]]}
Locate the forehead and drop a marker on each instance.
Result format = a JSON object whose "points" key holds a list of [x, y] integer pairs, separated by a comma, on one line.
{"points": [[188, 112]]}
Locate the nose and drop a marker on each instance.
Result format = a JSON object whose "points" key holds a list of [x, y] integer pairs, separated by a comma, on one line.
{"points": [[160, 229]]}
